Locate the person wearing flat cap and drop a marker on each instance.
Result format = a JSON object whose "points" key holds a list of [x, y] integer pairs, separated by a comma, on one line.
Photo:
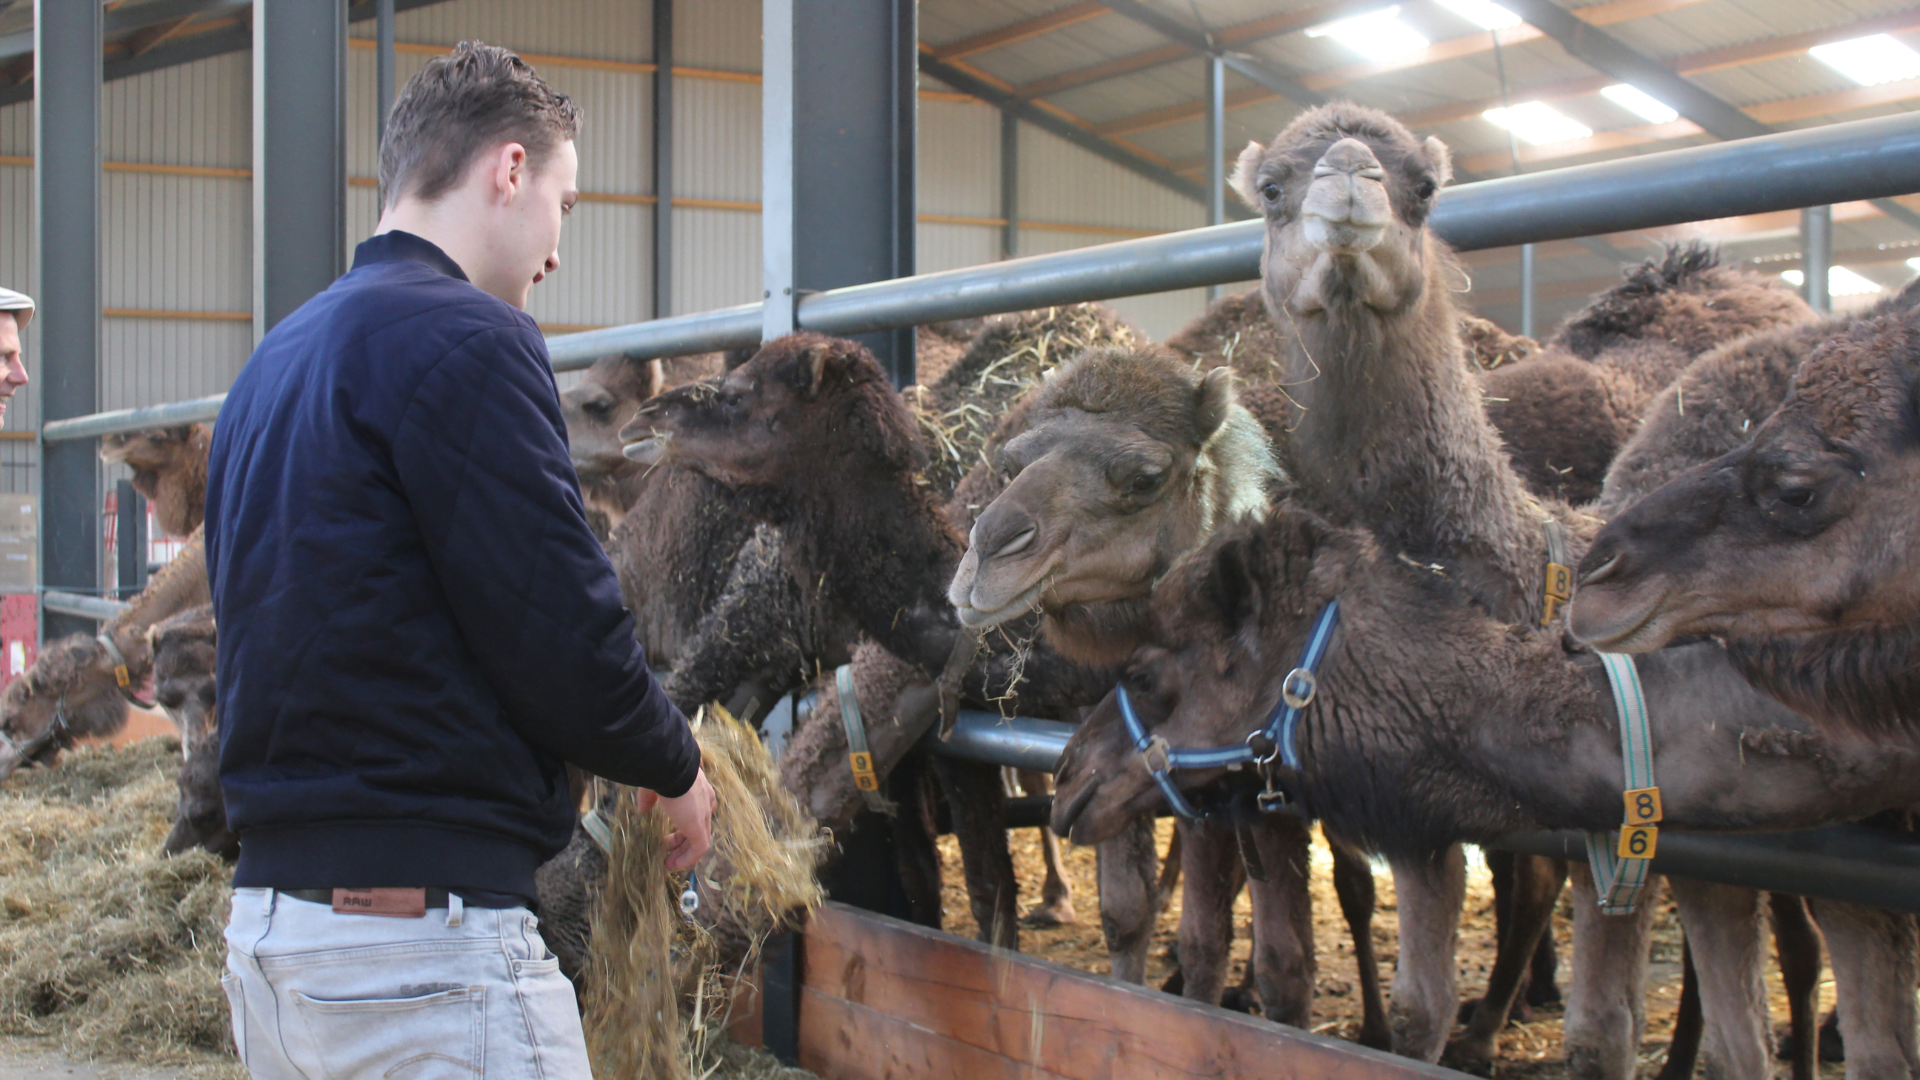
{"points": [[16, 311]]}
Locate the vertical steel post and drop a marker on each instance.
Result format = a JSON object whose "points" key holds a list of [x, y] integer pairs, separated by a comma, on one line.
{"points": [[1816, 255], [130, 539], [66, 201], [1526, 290], [383, 69], [841, 104], [662, 158], [1216, 149], [1009, 185], [299, 155]]}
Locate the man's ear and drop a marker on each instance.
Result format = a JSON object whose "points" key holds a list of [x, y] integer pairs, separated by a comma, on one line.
{"points": [[510, 170], [1243, 176]]}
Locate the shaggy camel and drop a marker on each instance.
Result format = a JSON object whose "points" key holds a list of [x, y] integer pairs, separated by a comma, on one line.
{"points": [[183, 685], [1390, 433], [169, 468], [1795, 549], [808, 436]]}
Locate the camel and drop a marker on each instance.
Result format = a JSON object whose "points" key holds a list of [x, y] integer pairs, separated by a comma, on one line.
{"points": [[183, 684], [1433, 723], [1793, 548], [169, 468]]}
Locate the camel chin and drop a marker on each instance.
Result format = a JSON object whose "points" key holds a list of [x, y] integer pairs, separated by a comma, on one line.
{"points": [[649, 452], [977, 618]]}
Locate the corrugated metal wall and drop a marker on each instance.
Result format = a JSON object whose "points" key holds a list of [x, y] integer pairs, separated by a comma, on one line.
{"points": [[177, 263]]}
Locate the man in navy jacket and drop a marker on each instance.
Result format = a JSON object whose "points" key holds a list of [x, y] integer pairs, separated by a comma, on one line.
{"points": [[417, 627]]}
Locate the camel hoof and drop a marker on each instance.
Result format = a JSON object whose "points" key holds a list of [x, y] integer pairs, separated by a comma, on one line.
{"points": [[1052, 913], [1471, 1056], [1521, 1013], [1375, 1038], [1541, 994], [1239, 1000]]}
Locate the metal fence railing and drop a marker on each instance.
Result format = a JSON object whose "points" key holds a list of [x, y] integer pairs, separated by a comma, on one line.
{"points": [[1865, 159]]}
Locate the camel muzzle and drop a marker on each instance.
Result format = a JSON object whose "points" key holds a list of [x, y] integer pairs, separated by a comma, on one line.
{"points": [[1347, 210]]}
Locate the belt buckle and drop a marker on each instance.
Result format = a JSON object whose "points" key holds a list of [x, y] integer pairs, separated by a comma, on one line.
{"points": [[1157, 745]]}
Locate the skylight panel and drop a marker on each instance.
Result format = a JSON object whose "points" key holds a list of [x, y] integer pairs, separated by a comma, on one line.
{"points": [[1482, 13], [1538, 123], [1840, 280], [1914, 263], [1377, 35], [1640, 103], [1870, 60]]}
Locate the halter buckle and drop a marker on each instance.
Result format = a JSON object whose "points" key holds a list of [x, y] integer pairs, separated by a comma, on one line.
{"points": [[1157, 746], [1309, 685]]}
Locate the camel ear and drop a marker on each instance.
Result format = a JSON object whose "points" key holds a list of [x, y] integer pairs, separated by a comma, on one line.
{"points": [[1233, 588], [1243, 175], [1213, 401], [1442, 160], [654, 381], [812, 369]]}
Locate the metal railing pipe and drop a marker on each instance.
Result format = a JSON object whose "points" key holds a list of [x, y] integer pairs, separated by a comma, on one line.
{"points": [[150, 416], [680, 335], [85, 607]]}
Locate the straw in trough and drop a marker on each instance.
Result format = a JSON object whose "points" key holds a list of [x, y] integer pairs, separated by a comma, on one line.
{"points": [[660, 985]]}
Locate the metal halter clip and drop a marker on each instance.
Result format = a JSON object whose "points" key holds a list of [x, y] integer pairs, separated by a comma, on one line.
{"points": [[1270, 755], [1299, 699], [1270, 800], [1157, 746]]}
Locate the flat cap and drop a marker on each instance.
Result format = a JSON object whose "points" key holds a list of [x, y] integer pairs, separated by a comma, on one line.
{"points": [[17, 302]]}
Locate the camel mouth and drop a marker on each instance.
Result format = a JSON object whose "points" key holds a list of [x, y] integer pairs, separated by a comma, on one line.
{"points": [[1346, 237], [975, 618], [649, 451], [1600, 573], [1066, 814], [1611, 618]]}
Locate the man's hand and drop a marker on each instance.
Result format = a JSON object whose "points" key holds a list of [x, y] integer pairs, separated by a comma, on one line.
{"points": [[691, 816]]}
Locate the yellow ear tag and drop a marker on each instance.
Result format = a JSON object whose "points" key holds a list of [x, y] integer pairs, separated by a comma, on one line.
{"points": [[1558, 590], [1643, 806], [120, 673], [864, 777], [1638, 841]]}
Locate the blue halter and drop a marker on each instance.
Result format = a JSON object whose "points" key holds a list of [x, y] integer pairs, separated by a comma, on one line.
{"points": [[1296, 693]]}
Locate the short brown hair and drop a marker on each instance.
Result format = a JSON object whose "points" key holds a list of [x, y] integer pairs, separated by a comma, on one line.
{"points": [[460, 104]]}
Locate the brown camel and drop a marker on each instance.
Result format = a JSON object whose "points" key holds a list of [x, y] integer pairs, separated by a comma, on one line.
{"points": [[1499, 732], [183, 685], [169, 468], [1795, 548]]}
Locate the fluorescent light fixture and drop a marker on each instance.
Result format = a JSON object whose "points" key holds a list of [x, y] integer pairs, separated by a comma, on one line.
{"points": [[1538, 123], [1840, 280], [1377, 35], [1482, 13], [1914, 263], [1640, 103], [1870, 60]]}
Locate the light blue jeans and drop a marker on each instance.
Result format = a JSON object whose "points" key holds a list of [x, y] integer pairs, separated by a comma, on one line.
{"points": [[464, 993]]}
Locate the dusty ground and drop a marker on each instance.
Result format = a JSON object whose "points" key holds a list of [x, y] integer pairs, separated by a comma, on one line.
{"points": [[1530, 1051]]}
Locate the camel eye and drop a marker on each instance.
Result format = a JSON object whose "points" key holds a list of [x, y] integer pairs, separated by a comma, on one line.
{"points": [[1146, 483], [1140, 681], [597, 409], [1425, 190], [1798, 498], [1270, 191]]}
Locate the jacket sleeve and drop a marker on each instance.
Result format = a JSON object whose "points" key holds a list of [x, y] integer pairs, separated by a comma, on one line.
{"points": [[480, 452]]}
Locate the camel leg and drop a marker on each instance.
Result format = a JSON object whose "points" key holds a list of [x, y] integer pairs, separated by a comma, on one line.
{"points": [[1211, 877], [1056, 895], [1683, 1050], [1534, 884], [1283, 962], [1430, 888], [1543, 976], [1872, 953], [1128, 866], [914, 845], [1605, 1005], [978, 804], [1169, 872], [1797, 944], [1723, 925], [1353, 884]]}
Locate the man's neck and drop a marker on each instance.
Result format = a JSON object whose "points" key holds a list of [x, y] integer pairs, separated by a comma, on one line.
{"points": [[440, 224]]}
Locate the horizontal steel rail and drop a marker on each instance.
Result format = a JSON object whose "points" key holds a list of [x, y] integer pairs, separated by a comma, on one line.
{"points": [[1876, 867], [85, 607], [1861, 159]]}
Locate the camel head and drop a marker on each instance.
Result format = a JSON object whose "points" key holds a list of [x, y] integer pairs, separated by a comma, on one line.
{"points": [[806, 409], [169, 468], [1346, 191], [1685, 299], [596, 408], [72, 682], [1798, 548], [1228, 625], [183, 665], [1129, 460]]}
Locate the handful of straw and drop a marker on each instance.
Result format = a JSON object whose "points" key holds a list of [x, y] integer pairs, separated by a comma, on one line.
{"points": [[660, 986]]}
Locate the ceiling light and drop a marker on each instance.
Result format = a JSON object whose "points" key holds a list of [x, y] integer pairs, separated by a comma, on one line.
{"points": [[1538, 123], [1870, 60], [1482, 13], [1377, 35], [1640, 103], [1840, 280], [1915, 263]]}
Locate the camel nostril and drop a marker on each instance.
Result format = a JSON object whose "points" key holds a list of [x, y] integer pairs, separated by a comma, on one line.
{"points": [[1020, 542]]}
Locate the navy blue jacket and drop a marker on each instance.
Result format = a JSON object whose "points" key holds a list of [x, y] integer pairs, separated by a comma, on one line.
{"points": [[417, 626]]}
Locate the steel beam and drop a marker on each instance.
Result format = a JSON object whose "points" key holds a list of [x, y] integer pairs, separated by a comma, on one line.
{"points": [[383, 73], [662, 158], [838, 198], [299, 155], [66, 202], [1816, 256], [1216, 150], [1009, 185], [1527, 254], [90, 608], [1202, 43]]}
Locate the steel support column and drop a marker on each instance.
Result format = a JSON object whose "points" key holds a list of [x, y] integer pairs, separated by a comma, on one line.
{"points": [[383, 70], [662, 158], [130, 535], [840, 105], [1526, 290], [1816, 255], [1216, 149], [299, 155], [66, 200], [1009, 185]]}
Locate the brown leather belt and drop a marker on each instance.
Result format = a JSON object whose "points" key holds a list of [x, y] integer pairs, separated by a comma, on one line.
{"points": [[436, 898]]}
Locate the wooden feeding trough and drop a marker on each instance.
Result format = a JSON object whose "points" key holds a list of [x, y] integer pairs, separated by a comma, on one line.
{"points": [[881, 998]]}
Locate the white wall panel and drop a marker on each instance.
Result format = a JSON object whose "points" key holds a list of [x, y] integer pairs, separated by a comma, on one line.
{"points": [[605, 277], [722, 34], [596, 29], [959, 161], [191, 114], [155, 360], [716, 259], [176, 243], [716, 140], [950, 247]]}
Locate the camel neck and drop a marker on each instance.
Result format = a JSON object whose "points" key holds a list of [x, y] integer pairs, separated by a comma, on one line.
{"points": [[179, 585]]}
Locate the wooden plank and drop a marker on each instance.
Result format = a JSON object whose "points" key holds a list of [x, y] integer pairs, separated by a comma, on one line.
{"points": [[1003, 36], [938, 991]]}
